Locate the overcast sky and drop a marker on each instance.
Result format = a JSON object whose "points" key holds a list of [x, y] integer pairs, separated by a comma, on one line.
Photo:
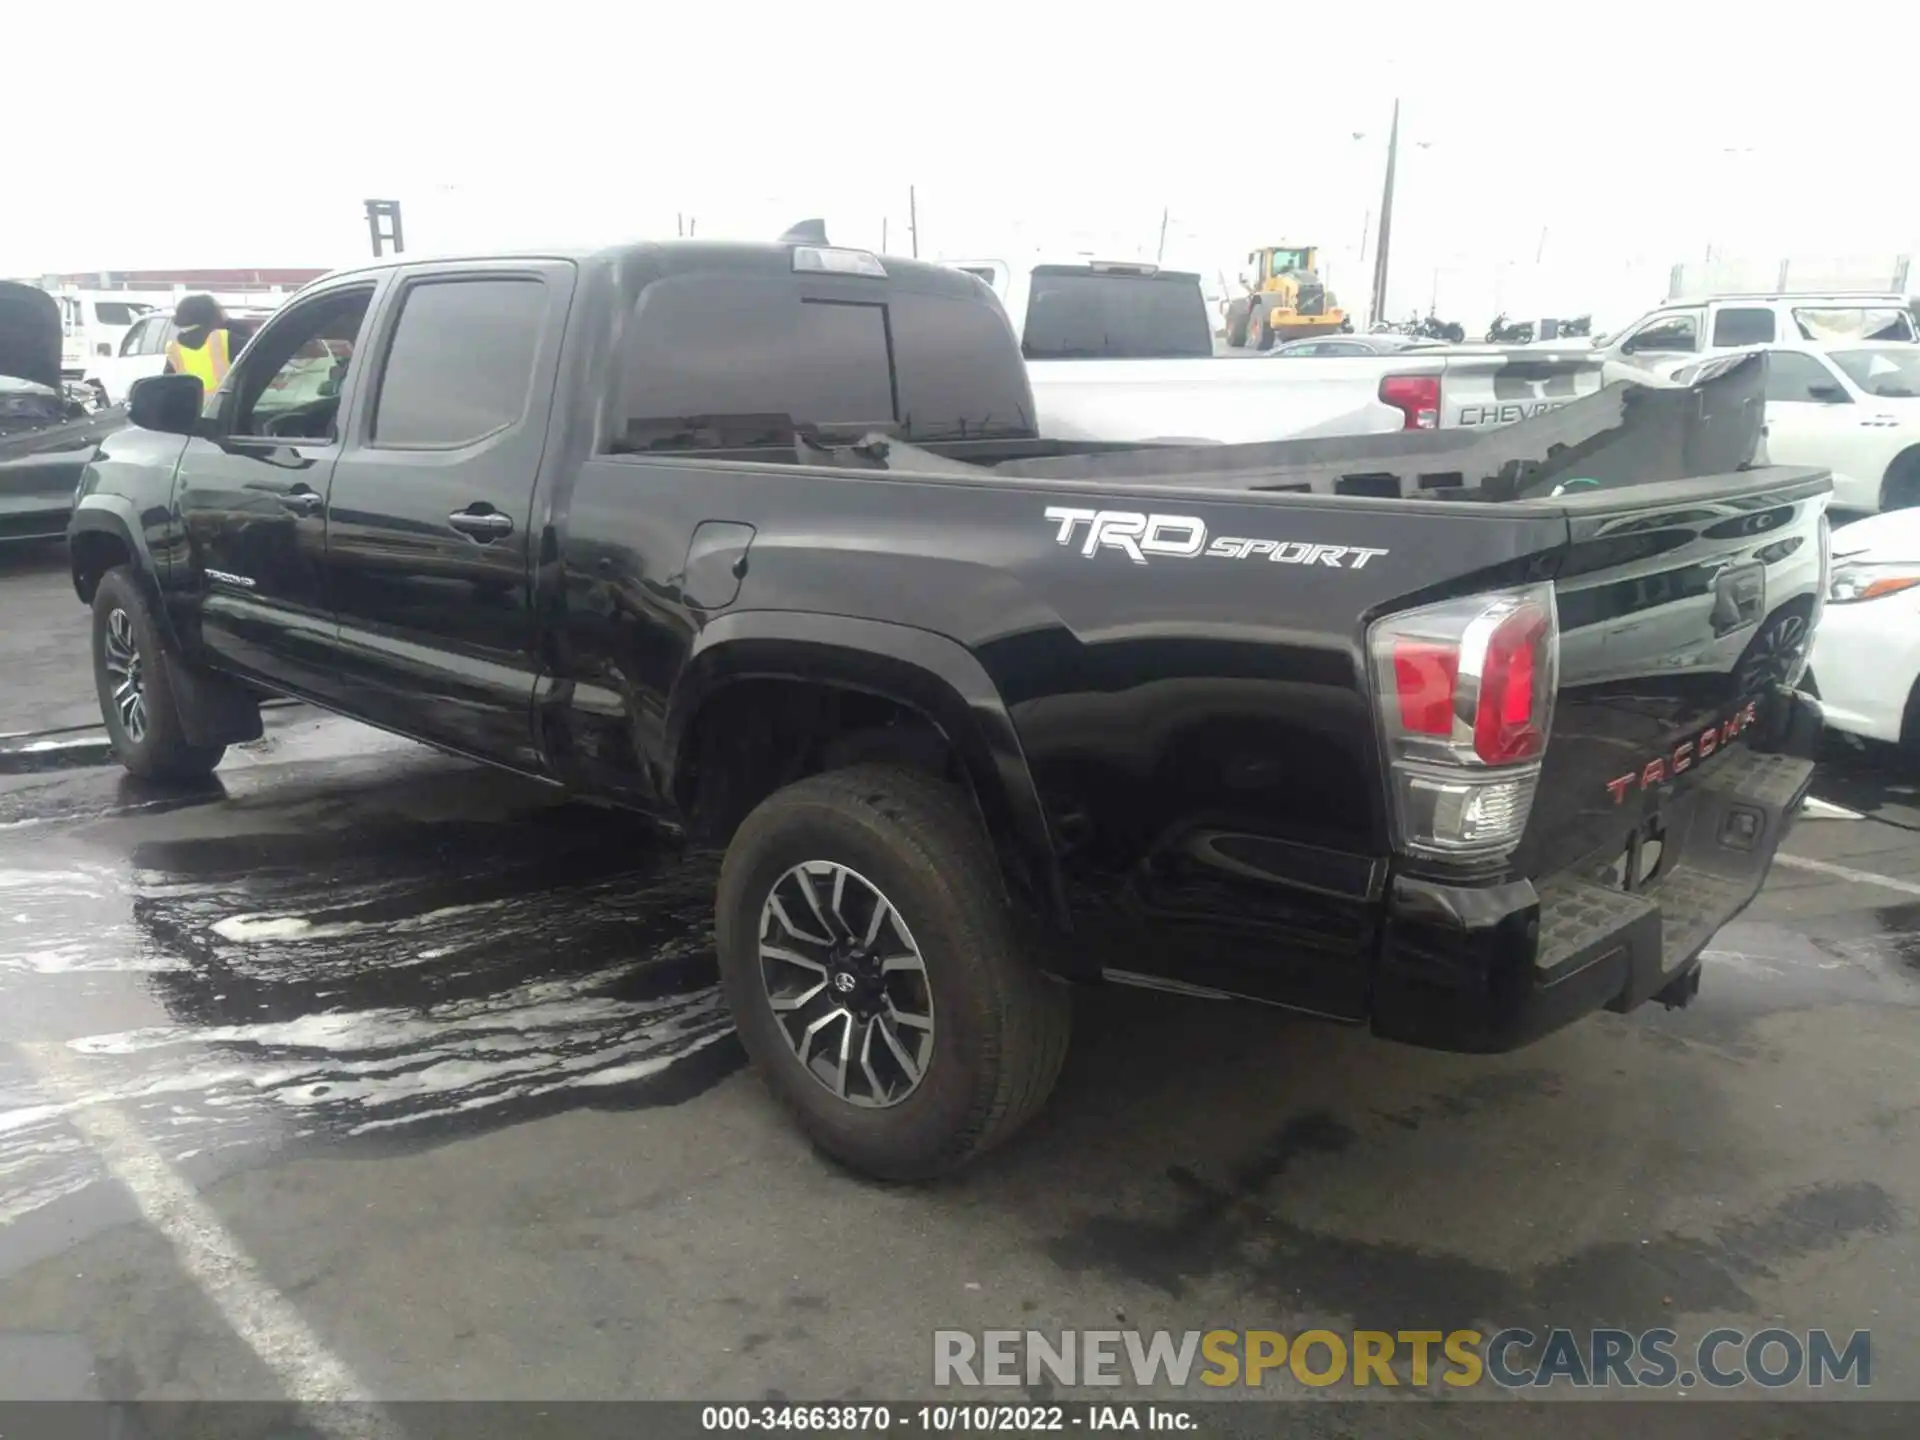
{"points": [[1554, 158]]}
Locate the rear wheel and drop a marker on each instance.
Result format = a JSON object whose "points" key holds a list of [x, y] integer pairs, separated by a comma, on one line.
{"points": [[136, 699], [1777, 652], [1263, 331], [876, 972], [1236, 328]]}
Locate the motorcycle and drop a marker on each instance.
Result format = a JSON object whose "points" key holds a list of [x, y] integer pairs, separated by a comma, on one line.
{"points": [[1434, 328], [1501, 333], [1579, 325]]}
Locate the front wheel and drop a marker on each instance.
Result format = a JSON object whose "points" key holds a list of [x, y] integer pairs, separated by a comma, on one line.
{"points": [[1901, 488], [876, 972], [1263, 331], [136, 700]]}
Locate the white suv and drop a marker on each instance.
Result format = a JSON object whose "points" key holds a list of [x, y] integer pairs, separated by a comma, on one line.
{"points": [[1682, 331]]}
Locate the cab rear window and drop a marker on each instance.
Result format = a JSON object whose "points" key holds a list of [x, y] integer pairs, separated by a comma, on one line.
{"points": [[1079, 312]]}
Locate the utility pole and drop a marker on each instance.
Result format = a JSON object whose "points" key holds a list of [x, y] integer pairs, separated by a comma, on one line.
{"points": [[883, 234], [1366, 233], [913, 221], [1161, 254], [1377, 309]]}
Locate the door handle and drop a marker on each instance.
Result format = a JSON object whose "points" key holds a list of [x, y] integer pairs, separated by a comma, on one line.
{"points": [[298, 498], [489, 525]]}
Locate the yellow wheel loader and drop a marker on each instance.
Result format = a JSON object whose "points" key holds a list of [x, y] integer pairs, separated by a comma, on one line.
{"points": [[1285, 299]]}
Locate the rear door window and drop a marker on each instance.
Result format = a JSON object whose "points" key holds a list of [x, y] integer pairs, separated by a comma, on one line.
{"points": [[460, 365], [742, 361], [1085, 312], [1743, 325], [117, 312]]}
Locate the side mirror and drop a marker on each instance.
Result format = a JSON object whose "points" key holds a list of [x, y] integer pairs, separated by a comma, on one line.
{"points": [[1829, 395], [169, 404]]}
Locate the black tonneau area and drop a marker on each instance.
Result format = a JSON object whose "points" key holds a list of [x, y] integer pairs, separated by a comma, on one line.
{"points": [[1631, 433]]}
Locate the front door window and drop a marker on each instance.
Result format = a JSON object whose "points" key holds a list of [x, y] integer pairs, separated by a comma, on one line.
{"points": [[290, 389]]}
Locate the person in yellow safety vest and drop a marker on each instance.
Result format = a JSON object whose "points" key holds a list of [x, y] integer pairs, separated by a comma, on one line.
{"points": [[201, 347]]}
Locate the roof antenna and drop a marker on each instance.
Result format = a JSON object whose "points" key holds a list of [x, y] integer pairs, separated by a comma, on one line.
{"points": [[806, 232]]}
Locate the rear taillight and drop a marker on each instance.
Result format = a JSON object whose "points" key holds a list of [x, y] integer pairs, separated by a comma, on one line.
{"points": [[1416, 397], [1466, 693]]}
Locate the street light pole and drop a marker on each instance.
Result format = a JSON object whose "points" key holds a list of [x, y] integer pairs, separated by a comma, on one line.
{"points": [[1377, 306]]}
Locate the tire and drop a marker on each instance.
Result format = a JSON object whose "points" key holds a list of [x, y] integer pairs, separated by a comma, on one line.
{"points": [[1901, 488], [1236, 329], [998, 1028], [1263, 331], [144, 725]]}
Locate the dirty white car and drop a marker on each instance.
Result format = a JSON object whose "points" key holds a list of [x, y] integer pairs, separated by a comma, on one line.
{"points": [[1852, 408], [1866, 651]]}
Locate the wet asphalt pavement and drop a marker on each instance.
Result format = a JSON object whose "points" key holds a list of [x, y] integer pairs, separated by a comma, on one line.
{"points": [[365, 1067]]}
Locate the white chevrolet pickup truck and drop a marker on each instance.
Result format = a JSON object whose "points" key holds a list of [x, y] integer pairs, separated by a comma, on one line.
{"points": [[1121, 350]]}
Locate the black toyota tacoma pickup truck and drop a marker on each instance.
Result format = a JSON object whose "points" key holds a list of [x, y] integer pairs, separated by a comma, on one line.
{"points": [[1457, 735]]}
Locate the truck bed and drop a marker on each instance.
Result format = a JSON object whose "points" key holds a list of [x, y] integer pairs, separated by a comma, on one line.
{"points": [[1632, 433]]}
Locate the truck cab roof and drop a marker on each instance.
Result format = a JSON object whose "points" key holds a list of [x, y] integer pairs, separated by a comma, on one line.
{"points": [[680, 257], [713, 344]]}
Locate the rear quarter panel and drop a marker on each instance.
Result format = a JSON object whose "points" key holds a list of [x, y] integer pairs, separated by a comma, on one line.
{"points": [[1165, 705]]}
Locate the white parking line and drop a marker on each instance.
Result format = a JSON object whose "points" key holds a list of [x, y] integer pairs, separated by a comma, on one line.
{"points": [[1844, 872], [215, 1261], [1817, 809]]}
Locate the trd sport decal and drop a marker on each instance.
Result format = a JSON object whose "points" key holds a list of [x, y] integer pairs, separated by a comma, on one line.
{"points": [[1184, 536]]}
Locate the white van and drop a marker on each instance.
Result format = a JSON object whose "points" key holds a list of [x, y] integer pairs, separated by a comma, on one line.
{"points": [[92, 325]]}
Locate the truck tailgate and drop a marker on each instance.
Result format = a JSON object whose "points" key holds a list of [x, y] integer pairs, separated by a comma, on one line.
{"points": [[1494, 386], [1234, 401], [1678, 616]]}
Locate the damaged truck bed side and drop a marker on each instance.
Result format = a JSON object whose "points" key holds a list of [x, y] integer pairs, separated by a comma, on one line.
{"points": [[1456, 735]]}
